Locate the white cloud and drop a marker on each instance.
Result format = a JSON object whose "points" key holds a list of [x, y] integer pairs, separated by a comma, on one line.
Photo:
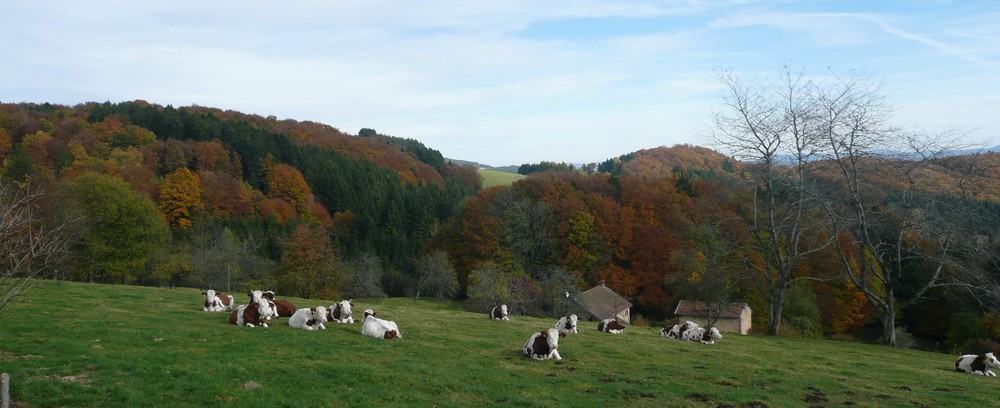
{"points": [[466, 78]]}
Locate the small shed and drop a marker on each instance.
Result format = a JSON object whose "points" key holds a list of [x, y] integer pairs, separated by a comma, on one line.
{"points": [[603, 303], [734, 317]]}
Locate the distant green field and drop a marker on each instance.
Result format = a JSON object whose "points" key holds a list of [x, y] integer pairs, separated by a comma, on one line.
{"points": [[497, 178], [87, 345]]}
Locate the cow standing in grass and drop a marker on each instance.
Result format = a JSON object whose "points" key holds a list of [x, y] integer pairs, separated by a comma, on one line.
{"points": [[544, 345], [977, 364]]}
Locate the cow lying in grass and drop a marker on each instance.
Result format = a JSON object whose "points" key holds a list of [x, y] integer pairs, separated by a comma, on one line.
{"points": [[282, 307], [610, 326], [690, 331], [706, 336], [544, 345], [499, 313], [372, 326], [675, 331], [217, 301], [567, 324], [977, 364], [308, 319], [254, 313], [340, 312]]}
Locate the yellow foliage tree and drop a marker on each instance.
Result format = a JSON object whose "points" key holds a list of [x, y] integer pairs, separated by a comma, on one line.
{"points": [[180, 198]]}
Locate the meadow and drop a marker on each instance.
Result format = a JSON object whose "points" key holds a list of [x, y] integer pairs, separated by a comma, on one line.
{"points": [[88, 345], [497, 178]]}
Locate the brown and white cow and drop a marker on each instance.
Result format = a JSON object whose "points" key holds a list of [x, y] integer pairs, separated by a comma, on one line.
{"points": [[254, 313], [610, 326], [372, 326], [701, 334], [217, 301], [282, 307], [544, 345], [340, 312], [499, 313], [977, 364], [675, 331], [309, 319], [567, 324]]}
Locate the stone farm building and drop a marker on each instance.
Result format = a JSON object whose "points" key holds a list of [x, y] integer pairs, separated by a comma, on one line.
{"points": [[603, 303], [735, 316]]}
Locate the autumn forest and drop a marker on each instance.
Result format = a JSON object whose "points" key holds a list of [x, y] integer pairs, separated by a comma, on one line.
{"points": [[201, 197]]}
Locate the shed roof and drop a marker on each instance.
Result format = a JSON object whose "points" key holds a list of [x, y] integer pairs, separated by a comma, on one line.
{"points": [[730, 310], [602, 302]]}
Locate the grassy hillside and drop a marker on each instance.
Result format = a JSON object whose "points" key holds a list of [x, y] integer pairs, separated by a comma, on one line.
{"points": [[497, 178], [73, 344]]}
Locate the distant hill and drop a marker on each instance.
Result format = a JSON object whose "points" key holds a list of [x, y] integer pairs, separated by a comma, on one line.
{"points": [[660, 162]]}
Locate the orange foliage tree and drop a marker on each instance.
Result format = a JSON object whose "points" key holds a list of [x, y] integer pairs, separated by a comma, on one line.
{"points": [[286, 183]]}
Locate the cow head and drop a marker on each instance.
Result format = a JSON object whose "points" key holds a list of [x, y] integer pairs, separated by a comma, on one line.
{"points": [[345, 309], [269, 295], [208, 294], [552, 338], [991, 361], [320, 313], [369, 312], [714, 333], [263, 306], [503, 310]]}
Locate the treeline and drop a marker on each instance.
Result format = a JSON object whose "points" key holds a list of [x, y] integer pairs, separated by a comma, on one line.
{"points": [[667, 224], [201, 197]]}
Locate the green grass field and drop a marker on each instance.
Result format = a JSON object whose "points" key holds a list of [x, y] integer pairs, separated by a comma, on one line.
{"points": [[497, 178], [74, 344]]}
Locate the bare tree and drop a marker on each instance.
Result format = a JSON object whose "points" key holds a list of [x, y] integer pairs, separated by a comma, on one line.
{"points": [[900, 233], [772, 126], [437, 275], [28, 248], [363, 278]]}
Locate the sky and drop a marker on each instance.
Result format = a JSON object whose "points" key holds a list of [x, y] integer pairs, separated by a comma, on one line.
{"points": [[503, 82]]}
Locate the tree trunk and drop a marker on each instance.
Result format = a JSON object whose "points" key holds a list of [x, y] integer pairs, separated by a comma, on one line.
{"points": [[774, 320], [889, 328]]}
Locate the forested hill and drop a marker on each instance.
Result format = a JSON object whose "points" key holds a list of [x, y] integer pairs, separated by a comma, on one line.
{"points": [[201, 197], [247, 184]]}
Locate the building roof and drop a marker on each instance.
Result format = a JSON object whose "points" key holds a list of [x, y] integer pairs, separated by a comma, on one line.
{"points": [[602, 302], [730, 310]]}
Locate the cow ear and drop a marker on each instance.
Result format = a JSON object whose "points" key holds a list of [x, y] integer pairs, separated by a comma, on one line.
{"points": [[562, 335], [544, 334]]}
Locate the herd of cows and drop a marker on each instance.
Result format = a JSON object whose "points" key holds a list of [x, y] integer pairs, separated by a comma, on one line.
{"points": [[545, 344], [263, 306]]}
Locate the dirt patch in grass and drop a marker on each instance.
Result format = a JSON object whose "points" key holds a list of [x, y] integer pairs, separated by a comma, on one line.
{"points": [[817, 396], [697, 396], [751, 404]]}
